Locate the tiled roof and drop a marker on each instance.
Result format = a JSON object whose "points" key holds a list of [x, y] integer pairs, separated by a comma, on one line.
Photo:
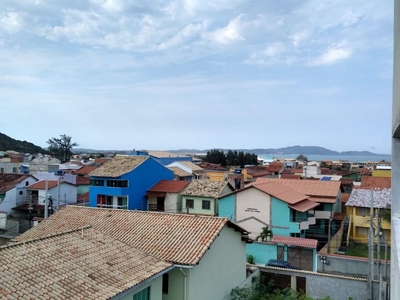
{"points": [[346, 180], [300, 242], [179, 172], [275, 167], [9, 181], [178, 238], [345, 197], [85, 170], [41, 185], [191, 165], [290, 176], [281, 192], [169, 186], [205, 188], [119, 166], [362, 198], [82, 180], [83, 198], [82, 264], [313, 188], [260, 173], [376, 182], [304, 205], [163, 154]]}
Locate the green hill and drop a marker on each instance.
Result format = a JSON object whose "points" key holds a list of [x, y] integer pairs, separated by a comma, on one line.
{"points": [[7, 143]]}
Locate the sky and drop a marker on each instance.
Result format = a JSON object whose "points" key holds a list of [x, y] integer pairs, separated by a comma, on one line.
{"points": [[198, 74]]}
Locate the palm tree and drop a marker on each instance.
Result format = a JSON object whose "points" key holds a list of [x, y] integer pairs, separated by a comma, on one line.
{"points": [[265, 234]]}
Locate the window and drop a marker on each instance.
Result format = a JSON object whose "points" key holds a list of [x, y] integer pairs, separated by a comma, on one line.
{"points": [[189, 203], [362, 231], [122, 202], [21, 192], [362, 211], [142, 295], [97, 182], [117, 183], [14, 170], [205, 204], [26, 183], [165, 280], [1, 170]]}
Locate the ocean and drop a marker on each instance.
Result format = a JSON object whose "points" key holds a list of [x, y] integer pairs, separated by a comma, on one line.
{"points": [[350, 158]]}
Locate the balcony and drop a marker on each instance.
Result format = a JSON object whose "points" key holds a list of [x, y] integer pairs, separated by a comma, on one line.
{"points": [[312, 219], [156, 207], [304, 225], [321, 214]]}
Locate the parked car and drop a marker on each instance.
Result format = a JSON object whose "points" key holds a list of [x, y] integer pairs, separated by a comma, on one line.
{"points": [[281, 264]]}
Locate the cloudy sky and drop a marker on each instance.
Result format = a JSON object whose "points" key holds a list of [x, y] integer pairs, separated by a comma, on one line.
{"points": [[124, 74]]}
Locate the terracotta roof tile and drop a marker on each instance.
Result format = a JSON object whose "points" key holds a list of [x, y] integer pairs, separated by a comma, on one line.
{"points": [[169, 186], [179, 172], [85, 170], [41, 185], [118, 166], [191, 165], [345, 197], [9, 181], [290, 176], [300, 242], [304, 205], [281, 192], [313, 188], [178, 238], [82, 180], [368, 182], [164, 154], [82, 264], [83, 198], [205, 188]]}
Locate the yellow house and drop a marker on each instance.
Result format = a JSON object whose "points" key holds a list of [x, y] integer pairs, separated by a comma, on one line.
{"points": [[358, 209], [382, 173]]}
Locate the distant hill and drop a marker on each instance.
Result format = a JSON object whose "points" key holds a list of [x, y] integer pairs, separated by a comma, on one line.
{"points": [[305, 150], [7, 143]]}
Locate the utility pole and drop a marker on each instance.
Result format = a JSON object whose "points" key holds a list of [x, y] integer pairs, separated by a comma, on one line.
{"points": [[46, 202], [371, 248], [58, 193]]}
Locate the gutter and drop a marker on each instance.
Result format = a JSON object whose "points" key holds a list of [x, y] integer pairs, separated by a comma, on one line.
{"points": [[142, 284]]}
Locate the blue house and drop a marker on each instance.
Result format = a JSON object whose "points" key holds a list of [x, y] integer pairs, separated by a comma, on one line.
{"points": [[163, 157], [122, 182]]}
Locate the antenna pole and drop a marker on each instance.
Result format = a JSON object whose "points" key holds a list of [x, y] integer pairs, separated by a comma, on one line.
{"points": [[46, 202]]}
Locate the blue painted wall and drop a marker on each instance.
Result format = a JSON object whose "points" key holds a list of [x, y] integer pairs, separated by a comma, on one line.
{"points": [[262, 252], [226, 207], [281, 217], [140, 180]]}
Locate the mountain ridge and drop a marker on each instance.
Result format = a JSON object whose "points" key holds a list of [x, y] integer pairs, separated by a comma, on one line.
{"points": [[9, 144]]}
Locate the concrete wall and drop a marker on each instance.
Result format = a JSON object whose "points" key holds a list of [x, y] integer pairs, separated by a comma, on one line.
{"points": [[197, 205], [349, 266], [280, 219], [262, 252], [319, 286]]}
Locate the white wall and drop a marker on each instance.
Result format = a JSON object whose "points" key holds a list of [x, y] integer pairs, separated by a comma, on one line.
{"points": [[252, 204], [68, 194], [221, 269], [16, 196]]}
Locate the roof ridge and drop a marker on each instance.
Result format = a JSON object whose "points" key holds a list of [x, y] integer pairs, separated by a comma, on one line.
{"points": [[14, 244]]}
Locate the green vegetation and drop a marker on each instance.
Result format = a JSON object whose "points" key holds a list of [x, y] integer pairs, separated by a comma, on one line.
{"points": [[251, 259], [231, 158], [8, 143], [361, 250], [61, 148], [265, 234], [260, 291]]}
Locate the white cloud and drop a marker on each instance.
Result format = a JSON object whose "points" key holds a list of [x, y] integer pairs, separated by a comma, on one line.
{"points": [[228, 34], [331, 56], [11, 22]]}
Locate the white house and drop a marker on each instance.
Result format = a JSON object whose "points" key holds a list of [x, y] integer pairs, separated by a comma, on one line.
{"points": [[12, 190], [63, 194]]}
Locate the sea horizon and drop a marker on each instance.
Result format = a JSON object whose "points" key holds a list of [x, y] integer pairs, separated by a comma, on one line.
{"points": [[350, 158]]}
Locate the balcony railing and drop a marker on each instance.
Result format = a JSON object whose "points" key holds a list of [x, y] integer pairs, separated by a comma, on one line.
{"points": [[156, 207], [112, 206]]}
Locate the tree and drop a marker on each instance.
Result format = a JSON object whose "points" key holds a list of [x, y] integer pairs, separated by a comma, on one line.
{"points": [[302, 157], [61, 147], [265, 233]]}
